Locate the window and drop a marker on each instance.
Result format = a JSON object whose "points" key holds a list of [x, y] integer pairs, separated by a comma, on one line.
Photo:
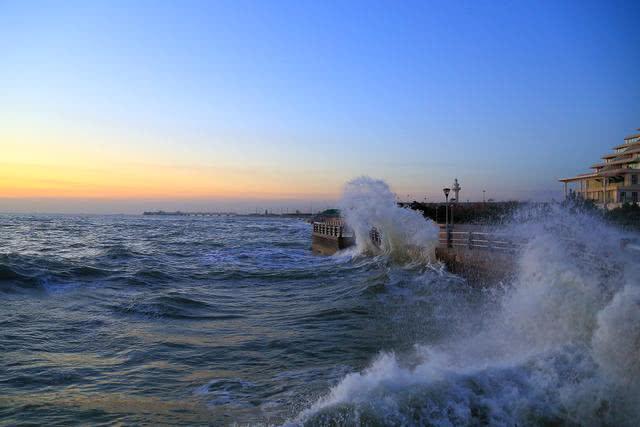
{"points": [[623, 196], [634, 179], [634, 197]]}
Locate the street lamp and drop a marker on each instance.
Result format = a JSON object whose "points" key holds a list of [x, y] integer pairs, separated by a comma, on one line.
{"points": [[452, 207], [446, 191]]}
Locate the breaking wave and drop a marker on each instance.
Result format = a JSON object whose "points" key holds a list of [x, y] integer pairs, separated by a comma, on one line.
{"points": [[560, 346], [368, 204]]}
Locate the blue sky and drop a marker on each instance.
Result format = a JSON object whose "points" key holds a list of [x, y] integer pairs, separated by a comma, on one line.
{"points": [[507, 96]]}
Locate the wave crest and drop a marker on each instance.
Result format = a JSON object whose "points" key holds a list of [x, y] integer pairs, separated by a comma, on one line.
{"points": [[560, 347], [405, 235]]}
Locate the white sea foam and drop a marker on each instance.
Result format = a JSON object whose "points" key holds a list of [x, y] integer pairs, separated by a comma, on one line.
{"points": [[405, 235], [563, 346]]}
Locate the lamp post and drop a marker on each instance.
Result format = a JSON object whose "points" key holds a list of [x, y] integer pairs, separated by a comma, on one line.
{"points": [[446, 210], [446, 191], [452, 208]]}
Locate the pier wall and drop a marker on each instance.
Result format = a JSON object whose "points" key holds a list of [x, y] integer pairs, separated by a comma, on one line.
{"points": [[478, 266], [330, 237], [479, 255], [325, 245]]}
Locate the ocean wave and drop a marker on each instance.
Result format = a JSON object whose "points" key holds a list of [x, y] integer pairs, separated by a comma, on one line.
{"points": [[405, 236], [561, 346], [174, 307], [86, 271], [153, 275], [13, 281], [120, 252], [226, 391]]}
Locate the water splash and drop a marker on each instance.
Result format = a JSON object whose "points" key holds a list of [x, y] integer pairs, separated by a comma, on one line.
{"points": [[562, 347], [405, 235]]}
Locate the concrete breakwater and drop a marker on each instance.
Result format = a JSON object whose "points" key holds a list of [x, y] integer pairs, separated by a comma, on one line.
{"points": [[470, 251], [331, 236], [479, 256]]}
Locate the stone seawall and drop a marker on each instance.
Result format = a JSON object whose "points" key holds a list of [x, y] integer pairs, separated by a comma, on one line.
{"points": [[478, 266], [329, 245], [479, 255]]}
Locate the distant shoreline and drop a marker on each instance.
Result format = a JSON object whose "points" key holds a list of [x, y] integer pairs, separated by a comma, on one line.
{"points": [[235, 214]]}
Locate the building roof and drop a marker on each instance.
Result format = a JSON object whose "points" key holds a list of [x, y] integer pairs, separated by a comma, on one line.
{"points": [[614, 172], [620, 158], [599, 174], [631, 151], [579, 177], [632, 136], [625, 160], [619, 161], [633, 144]]}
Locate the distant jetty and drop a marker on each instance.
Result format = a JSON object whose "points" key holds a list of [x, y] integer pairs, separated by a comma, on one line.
{"points": [[181, 213], [300, 215]]}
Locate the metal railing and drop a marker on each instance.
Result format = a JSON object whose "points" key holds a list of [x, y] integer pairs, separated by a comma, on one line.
{"points": [[336, 229], [447, 238], [478, 240], [329, 230], [472, 240]]}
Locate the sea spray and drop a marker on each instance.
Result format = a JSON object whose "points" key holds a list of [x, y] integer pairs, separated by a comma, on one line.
{"points": [[405, 235], [562, 346]]}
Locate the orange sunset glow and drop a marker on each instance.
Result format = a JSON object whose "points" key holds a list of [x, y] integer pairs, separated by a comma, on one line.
{"points": [[36, 165]]}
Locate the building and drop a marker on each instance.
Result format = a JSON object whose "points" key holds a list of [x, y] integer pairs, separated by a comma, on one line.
{"points": [[614, 181]]}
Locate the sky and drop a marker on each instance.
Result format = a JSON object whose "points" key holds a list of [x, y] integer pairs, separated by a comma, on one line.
{"points": [[119, 107]]}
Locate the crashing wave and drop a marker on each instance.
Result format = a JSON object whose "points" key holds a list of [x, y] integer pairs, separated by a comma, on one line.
{"points": [[563, 346], [368, 204]]}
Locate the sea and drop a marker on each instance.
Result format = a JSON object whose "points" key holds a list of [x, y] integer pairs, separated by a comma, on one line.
{"points": [[149, 320]]}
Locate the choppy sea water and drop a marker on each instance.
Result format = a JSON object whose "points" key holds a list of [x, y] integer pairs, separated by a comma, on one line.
{"points": [[218, 321], [185, 320]]}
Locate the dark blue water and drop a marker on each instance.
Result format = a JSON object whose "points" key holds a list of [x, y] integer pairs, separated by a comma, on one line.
{"points": [[130, 319]]}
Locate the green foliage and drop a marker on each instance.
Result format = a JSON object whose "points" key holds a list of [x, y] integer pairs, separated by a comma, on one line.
{"points": [[627, 216], [577, 203], [330, 213], [468, 213]]}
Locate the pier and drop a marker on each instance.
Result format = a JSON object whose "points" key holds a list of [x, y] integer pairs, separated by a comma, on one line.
{"points": [[182, 213], [330, 237], [481, 255], [296, 215]]}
